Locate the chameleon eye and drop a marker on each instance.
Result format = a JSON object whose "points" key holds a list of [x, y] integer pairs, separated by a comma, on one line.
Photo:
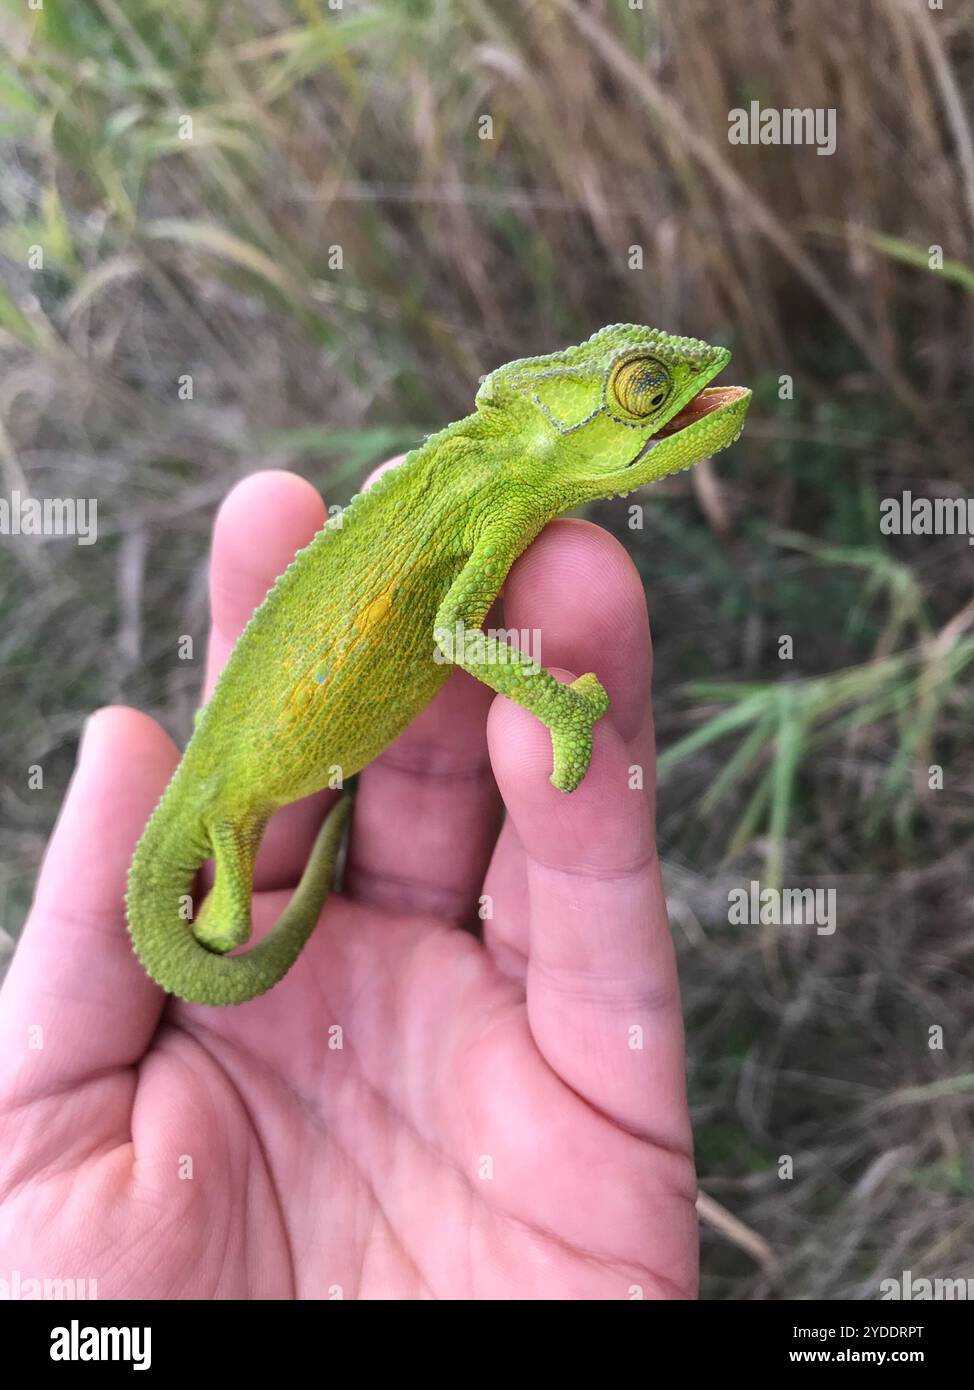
{"points": [[639, 386]]}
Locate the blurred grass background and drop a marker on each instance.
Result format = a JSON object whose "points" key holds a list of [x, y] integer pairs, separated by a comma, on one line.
{"points": [[336, 255]]}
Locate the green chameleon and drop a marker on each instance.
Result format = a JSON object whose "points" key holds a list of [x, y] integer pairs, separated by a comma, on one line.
{"points": [[360, 632]]}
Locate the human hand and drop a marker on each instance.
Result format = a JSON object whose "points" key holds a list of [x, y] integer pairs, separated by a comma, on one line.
{"points": [[489, 1127]]}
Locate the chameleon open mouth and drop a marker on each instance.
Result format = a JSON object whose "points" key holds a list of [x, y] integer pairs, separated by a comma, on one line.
{"points": [[705, 402]]}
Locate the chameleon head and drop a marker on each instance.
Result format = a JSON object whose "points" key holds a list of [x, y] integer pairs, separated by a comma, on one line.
{"points": [[628, 406]]}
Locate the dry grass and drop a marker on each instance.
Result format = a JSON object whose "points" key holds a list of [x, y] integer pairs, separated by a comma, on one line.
{"points": [[212, 257]]}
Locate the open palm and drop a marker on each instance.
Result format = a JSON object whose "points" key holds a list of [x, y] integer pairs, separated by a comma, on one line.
{"points": [[419, 1109]]}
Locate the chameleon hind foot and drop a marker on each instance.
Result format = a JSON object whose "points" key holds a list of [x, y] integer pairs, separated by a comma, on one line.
{"points": [[223, 921]]}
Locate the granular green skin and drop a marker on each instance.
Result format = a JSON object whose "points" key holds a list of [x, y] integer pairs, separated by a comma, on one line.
{"points": [[359, 633]]}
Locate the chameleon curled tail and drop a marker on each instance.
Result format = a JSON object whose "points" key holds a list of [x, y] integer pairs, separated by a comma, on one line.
{"points": [[172, 948]]}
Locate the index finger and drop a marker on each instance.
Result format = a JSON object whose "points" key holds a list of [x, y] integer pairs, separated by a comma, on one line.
{"points": [[602, 989]]}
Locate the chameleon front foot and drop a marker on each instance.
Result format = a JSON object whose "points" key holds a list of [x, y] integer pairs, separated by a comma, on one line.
{"points": [[571, 739]]}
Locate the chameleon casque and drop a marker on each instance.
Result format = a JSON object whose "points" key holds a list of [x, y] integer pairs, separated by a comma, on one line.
{"points": [[358, 634]]}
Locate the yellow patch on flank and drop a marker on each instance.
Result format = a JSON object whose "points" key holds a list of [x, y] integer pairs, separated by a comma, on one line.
{"points": [[374, 613], [300, 694]]}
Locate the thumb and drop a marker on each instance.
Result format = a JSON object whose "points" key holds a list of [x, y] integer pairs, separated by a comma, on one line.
{"points": [[76, 1000]]}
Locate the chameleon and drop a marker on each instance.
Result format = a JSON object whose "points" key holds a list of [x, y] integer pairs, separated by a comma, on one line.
{"points": [[359, 633]]}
